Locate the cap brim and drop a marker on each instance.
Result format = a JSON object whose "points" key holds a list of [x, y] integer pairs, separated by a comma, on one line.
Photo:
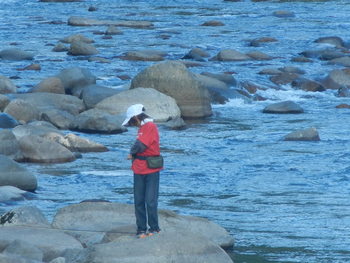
{"points": [[126, 121]]}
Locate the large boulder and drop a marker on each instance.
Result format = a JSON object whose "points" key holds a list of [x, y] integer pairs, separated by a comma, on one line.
{"points": [[158, 105], [10, 193], [4, 101], [93, 94], [80, 48], [25, 250], [51, 242], [173, 79], [176, 247], [98, 121], [115, 219], [14, 174], [309, 134], [337, 78], [40, 150], [44, 101], [75, 79], [9, 145], [51, 85], [59, 118], [24, 216], [283, 107], [15, 54], [6, 85], [22, 110]]}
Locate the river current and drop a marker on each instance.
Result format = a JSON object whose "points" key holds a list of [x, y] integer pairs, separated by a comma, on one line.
{"points": [[281, 201]]}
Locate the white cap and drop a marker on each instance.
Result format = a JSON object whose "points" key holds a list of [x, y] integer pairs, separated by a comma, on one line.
{"points": [[132, 111]]}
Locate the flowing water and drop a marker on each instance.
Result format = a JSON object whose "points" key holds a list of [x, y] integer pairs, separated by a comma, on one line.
{"points": [[281, 201]]}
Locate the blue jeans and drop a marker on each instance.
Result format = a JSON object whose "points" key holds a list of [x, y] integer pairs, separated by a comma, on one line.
{"points": [[146, 189]]}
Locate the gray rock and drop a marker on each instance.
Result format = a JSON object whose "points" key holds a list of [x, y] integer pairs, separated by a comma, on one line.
{"points": [[158, 105], [197, 54], [257, 55], [51, 85], [230, 55], [4, 101], [24, 249], [332, 40], [144, 55], [175, 124], [113, 30], [78, 48], [310, 134], [77, 144], [40, 150], [10, 193], [75, 79], [60, 48], [44, 101], [213, 23], [93, 94], [6, 85], [173, 79], [283, 14], [77, 38], [98, 121], [22, 110], [14, 174], [7, 121], [337, 78], [9, 145], [10, 258], [15, 54], [51, 242], [343, 61], [176, 247], [227, 78], [24, 216], [284, 78], [58, 260], [308, 85], [60, 119], [284, 107], [82, 21], [323, 54]]}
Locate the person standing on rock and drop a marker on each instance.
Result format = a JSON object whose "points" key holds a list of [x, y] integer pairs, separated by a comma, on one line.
{"points": [[146, 165]]}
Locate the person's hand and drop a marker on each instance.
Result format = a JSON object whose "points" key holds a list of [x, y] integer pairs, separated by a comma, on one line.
{"points": [[129, 157]]}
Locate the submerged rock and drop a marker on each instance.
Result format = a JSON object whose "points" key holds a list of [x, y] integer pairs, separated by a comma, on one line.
{"points": [[284, 107], [310, 134]]}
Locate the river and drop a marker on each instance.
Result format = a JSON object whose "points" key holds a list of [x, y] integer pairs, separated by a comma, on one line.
{"points": [[281, 201]]}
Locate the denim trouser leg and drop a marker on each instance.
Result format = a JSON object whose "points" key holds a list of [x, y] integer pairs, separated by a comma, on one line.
{"points": [[146, 188]]}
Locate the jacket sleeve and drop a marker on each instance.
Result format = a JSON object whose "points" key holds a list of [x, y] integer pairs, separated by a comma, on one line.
{"points": [[138, 147]]}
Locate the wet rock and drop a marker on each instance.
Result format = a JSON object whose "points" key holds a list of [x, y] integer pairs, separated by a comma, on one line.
{"points": [[158, 105], [31, 67], [332, 40], [175, 124], [301, 59], [25, 250], [6, 85], [343, 61], [51, 242], [99, 60], [337, 78], [92, 8], [344, 91], [173, 79], [197, 54], [257, 55], [283, 14], [7, 121], [24, 216], [323, 54], [343, 106], [307, 85], [284, 78], [310, 134], [59, 118], [77, 38], [36, 149], [10, 193], [15, 54], [75, 79], [144, 55], [9, 145], [45, 101], [22, 111], [82, 21], [51, 85], [226, 78], [93, 94], [250, 87], [284, 107], [113, 30], [98, 121], [4, 101], [14, 174], [258, 41], [213, 23], [230, 55], [78, 48], [290, 69], [77, 144], [270, 71], [60, 48]]}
